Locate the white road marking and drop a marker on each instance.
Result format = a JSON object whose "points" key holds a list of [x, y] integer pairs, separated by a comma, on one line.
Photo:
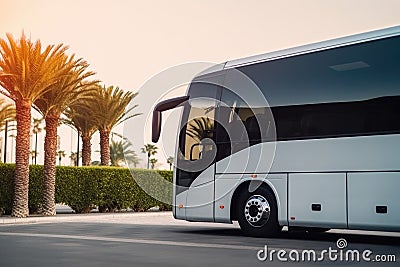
{"points": [[134, 240]]}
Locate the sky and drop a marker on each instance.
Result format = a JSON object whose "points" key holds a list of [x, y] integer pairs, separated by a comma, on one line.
{"points": [[128, 42]]}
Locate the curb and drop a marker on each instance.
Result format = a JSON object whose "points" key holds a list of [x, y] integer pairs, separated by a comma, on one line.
{"points": [[89, 217]]}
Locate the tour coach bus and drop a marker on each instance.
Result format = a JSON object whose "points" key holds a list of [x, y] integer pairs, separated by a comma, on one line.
{"points": [[307, 137]]}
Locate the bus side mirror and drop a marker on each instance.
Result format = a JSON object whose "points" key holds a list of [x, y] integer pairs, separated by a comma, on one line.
{"points": [[157, 118], [156, 126]]}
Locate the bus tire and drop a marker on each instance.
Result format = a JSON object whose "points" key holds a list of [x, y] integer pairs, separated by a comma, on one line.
{"points": [[258, 213]]}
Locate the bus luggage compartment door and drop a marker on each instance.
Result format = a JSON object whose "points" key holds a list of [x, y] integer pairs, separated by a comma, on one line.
{"points": [[374, 202], [317, 200]]}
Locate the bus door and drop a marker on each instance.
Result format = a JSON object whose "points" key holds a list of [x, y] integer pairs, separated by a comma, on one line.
{"points": [[194, 191]]}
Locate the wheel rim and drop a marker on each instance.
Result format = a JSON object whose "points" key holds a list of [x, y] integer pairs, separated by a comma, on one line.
{"points": [[257, 211]]}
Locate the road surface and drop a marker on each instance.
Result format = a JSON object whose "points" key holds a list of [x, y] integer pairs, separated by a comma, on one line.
{"points": [[158, 240]]}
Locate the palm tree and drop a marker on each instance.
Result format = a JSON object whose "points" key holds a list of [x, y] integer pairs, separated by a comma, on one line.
{"points": [[64, 92], [120, 151], [153, 162], [199, 128], [170, 161], [26, 72], [36, 129], [34, 153], [61, 154], [73, 157], [80, 115], [111, 109], [12, 136], [7, 113], [95, 163], [150, 150]]}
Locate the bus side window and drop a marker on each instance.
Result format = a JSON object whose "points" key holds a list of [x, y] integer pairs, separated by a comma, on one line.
{"points": [[259, 127]]}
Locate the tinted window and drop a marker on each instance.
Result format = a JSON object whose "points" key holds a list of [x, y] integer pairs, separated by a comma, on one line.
{"points": [[197, 129], [351, 73], [240, 125], [376, 116], [346, 91]]}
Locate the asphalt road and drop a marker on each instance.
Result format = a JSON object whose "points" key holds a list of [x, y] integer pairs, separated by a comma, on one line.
{"points": [[122, 244]]}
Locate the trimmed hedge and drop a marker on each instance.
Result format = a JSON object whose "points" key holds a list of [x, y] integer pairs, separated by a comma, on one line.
{"points": [[6, 188], [84, 188]]}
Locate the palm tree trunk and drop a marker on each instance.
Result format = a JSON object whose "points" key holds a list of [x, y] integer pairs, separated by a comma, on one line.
{"points": [[86, 150], [50, 158], [35, 147], [5, 141], [105, 147], [22, 154]]}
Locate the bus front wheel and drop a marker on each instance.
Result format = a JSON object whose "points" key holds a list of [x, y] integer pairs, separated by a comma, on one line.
{"points": [[258, 213]]}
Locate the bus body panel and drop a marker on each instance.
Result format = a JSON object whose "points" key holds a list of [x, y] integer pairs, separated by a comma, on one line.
{"points": [[225, 186], [174, 202], [373, 201], [317, 200], [196, 203], [347, 154], [179, 209], [200, 198], [317, 171], [253, 159]]}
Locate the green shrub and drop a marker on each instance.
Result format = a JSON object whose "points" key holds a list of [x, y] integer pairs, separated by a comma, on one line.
{"points": [[84, 188], [168, 175], [6, 188], [119, 189], [35, 188], [77, 187]]}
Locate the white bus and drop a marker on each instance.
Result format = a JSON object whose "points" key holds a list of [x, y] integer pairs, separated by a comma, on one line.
{"points": [[310, 140]]}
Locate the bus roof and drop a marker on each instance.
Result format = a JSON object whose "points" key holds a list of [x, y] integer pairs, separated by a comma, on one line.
{"points": [[304, 49]]}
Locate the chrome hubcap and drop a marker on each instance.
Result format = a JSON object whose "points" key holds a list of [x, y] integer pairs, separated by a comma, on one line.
{"points": [[257, 211]]}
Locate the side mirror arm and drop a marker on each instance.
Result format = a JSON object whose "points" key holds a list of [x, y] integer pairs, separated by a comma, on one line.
{"points": [[157, 118]]}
